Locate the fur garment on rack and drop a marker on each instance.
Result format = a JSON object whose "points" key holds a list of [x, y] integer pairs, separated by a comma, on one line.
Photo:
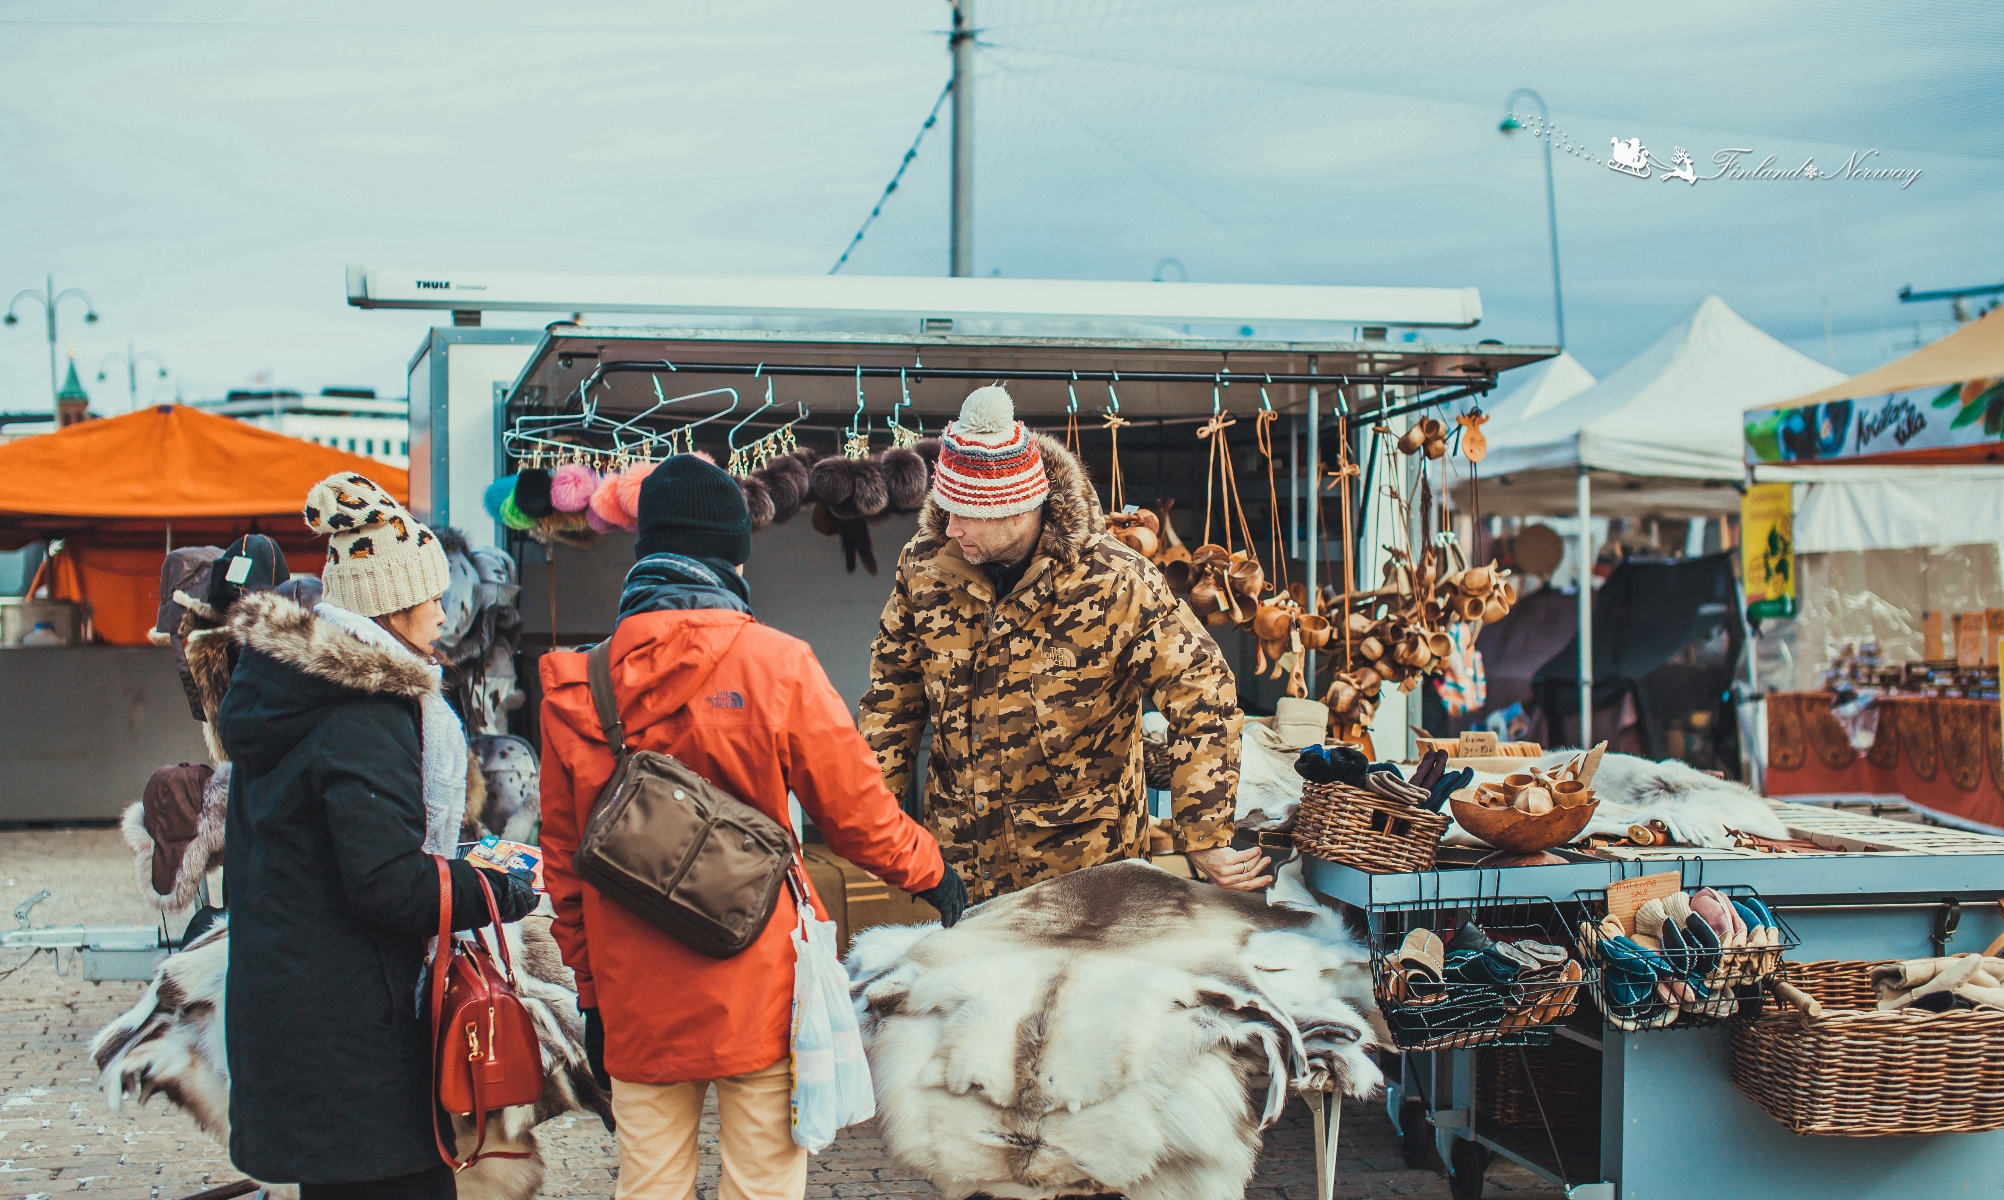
{"points": [[847, 494], [1633, 791], [171, 1044], [1117, 1029]]}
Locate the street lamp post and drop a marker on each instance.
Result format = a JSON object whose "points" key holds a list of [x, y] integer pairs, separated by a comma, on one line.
{"points": [[131, 360], [1511, 125], [50, 299]]}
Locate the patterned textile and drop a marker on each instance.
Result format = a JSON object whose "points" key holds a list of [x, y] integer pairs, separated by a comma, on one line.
{"points": [[1462, 685], [1035, 698], [988, 460]]}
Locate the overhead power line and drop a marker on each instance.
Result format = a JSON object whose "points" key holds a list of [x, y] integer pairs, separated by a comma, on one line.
{"points": [[931, 119]]}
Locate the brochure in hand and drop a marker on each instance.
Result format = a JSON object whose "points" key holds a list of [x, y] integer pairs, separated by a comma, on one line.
{"points": [[512, 857]]}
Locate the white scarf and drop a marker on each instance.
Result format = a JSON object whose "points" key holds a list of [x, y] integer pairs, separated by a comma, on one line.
{"points": [[444, 738]]}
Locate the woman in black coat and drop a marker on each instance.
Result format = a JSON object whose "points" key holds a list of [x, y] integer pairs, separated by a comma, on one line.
{"points": [[334, 800]]}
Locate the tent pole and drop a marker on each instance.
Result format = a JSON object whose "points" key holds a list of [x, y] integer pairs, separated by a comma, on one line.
{"points": [[1585, 483], [1314, 543]]}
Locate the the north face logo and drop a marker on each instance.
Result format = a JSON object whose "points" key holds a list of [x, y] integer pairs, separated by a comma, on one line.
{"points": [[727, 700]]}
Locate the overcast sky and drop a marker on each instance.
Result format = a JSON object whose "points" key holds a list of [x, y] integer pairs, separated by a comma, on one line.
{"points": [[206, 170]]}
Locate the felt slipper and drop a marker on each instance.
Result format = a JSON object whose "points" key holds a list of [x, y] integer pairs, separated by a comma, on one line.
{"points": [[1704, 944], [1718, 913], [1544, 952], [1469, 937], [1675, 952], [1677, 907], [1650, 917], [1759, 910]]}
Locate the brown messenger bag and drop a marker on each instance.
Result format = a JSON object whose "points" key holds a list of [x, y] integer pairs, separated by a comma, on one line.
{"points": [[682, 854]]}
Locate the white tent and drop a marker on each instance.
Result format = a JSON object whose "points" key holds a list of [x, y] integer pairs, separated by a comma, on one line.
{"points": [[1545, 386], [1673, 413], [1663, 434]]}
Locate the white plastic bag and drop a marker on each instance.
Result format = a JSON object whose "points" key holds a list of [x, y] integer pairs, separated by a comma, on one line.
{"points": [[831, 1078]]}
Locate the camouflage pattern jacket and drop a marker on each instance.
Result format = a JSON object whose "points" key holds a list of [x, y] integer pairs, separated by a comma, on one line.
{"points": [[1035, 698]]}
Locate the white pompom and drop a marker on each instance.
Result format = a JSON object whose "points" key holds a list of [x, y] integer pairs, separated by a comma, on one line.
{"points": [[987, 412]]}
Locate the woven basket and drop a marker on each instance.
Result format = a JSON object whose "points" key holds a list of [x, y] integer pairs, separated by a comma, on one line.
{"points": [[1859, 1072], [1362, 829], [1155, 764], [1567, 1078]]}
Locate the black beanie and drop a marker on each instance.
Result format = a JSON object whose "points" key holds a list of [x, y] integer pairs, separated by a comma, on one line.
{"points": [[266, 571], [693, 507]]}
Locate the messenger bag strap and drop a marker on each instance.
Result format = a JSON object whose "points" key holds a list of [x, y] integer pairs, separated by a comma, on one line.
{"points": [[598, 669]]}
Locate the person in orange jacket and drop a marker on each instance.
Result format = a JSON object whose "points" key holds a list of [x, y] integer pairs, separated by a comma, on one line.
{"points": [[751, 710]]}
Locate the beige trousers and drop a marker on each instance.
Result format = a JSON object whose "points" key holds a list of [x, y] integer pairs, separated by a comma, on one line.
{"points": [[657, 1137]]}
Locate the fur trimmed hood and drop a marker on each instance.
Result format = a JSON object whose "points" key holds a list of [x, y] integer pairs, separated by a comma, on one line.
{"points": [[1072, 514], [277, 628]]}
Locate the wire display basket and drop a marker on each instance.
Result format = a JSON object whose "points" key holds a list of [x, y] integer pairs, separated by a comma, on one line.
{"points": [[1690, 987], [1506, 999]]}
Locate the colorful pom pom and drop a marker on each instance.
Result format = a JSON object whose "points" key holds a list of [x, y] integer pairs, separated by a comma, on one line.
{"points": [[513, 517], [605, 505], [626, 487], [571, 486], [498, 491]]}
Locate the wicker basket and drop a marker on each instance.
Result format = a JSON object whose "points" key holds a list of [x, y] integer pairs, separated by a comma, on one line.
{"points": [[1361, 829], [1565, 1076], [1735, 987], [1859, 1072]]}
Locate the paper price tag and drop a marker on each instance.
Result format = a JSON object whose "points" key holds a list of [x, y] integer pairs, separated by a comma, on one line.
{"points": [[1627, 895], [239, 569]]}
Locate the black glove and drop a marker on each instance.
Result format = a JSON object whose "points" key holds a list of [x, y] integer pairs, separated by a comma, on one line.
{"points": [[595, 1047], [949, 896], [515, 896]]}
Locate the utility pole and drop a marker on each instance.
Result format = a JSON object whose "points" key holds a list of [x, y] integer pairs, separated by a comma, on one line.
{"points": [[961, 41], [50, 299]]}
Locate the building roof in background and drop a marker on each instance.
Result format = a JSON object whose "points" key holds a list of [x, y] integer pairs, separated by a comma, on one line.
{"points": [[72, 386]]}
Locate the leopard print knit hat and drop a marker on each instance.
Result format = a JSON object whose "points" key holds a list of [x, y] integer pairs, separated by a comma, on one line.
{"points": [[379, 559]]}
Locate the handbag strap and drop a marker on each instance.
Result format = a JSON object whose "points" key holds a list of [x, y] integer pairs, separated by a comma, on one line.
{"points": [[598, 670], [441, 962]]}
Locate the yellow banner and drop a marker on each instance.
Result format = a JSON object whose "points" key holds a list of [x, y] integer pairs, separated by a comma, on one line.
{"points": [[1767, 549]]}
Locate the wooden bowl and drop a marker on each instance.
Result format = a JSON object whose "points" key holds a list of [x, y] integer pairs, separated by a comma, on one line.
{"points": [[1518, 832]]}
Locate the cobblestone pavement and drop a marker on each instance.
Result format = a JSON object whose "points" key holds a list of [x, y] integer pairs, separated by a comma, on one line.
{"points": [[58, 1136]]}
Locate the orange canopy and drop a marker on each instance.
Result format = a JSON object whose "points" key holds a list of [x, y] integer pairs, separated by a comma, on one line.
{"points": [[123, 489], [171, 461]]}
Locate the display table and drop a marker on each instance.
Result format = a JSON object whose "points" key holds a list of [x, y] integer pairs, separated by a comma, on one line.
{"points": [[1944, 757], [1671, 1123]]}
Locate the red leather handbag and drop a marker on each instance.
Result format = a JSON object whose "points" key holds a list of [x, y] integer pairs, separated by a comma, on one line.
{"points": [[485, 1052]]}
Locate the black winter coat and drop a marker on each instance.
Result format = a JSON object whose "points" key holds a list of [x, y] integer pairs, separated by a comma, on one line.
{"points": [[331, 901]]}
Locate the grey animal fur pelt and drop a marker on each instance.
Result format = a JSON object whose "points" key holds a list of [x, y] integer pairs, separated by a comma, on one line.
{"points": [[171, 1044], [1106, 1031], [1631, 788]]}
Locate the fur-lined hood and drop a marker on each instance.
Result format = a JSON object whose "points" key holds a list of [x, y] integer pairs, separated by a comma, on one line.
{"points": [[1071, 516], [277, 628]]}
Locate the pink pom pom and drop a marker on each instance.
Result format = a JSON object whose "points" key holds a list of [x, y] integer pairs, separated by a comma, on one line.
{"points": [[626, 489], [705, 456], [571, 486], [605, 505], [598, 524]]}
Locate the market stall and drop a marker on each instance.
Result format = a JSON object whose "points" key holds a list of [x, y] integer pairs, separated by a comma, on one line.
{"points": [[90, 717], [1739, 1017], [1882, 593], [1659, 436]]}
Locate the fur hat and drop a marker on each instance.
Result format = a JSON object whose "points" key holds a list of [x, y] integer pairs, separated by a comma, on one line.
{"points": [[379, 559], [989, 462], [786, 479], [905, 478], [849, 487]]}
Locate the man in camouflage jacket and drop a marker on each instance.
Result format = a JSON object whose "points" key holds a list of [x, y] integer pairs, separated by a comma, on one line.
{"points": [[1035, 695]]}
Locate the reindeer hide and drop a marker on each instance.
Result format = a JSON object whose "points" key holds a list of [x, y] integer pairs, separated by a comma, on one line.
{"points": [[1117, 1029], [171, 1044]]}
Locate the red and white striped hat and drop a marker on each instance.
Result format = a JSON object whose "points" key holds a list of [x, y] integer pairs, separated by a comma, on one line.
{"points": [[989, 465]]}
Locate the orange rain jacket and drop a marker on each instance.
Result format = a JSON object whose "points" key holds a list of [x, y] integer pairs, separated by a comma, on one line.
{"points": [[751, 710]]}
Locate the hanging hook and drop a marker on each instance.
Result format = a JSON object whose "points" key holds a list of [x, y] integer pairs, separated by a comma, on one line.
{"points": [[857, 420], [731, 438], [1217, 404], [1265, 405], [1112, 396], [1072, 390]]}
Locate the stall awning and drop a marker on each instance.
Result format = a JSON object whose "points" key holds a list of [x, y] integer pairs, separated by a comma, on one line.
{"points": [[1942, 405], [166, 462], [1673, 411], [119, 490]]}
